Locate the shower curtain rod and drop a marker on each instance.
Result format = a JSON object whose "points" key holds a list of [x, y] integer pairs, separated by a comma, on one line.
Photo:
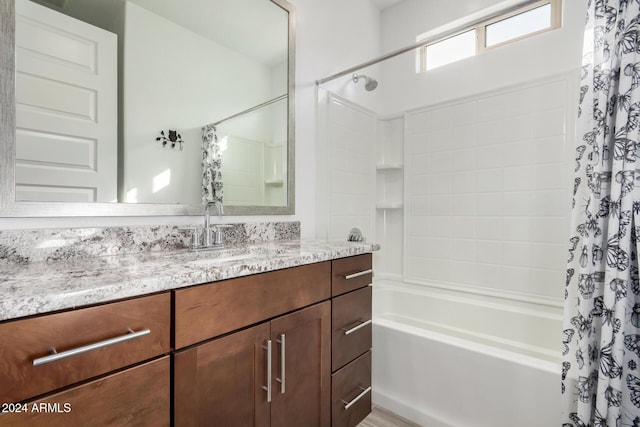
{"points": [[428, 40], [248, 110]]}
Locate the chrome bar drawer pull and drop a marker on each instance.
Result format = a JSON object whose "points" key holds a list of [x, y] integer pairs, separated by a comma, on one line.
{"points": [[358, 274], [267, 388], [54, 356], [283, 363], [355, 328], [348, 405]]}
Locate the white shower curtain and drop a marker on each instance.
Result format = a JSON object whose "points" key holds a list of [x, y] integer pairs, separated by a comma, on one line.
{"points": [[601, 345]]}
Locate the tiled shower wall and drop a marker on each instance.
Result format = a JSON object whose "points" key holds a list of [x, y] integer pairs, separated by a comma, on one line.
{"points": [[350, 140], [488, 196], [244, 167]]}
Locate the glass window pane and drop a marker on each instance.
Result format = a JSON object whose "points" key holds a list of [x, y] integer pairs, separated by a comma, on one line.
{"points": [[451, 50], [519, 25]]}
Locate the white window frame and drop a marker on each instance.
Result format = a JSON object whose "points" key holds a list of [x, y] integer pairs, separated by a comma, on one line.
{"points": [[481, 42]]}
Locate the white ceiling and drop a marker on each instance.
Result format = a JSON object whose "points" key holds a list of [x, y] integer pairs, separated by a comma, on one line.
{"points": [[255, 28]]}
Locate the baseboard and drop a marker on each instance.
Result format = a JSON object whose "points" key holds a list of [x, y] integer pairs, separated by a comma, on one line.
{"points": [[384, 401]]}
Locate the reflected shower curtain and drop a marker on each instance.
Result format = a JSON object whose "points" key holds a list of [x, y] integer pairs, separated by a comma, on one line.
{"points": [[601, 336], [211, 166]]}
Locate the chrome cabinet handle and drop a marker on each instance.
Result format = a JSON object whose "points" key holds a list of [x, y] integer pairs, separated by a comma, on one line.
{"points": [[348, 405], [54, 356], [355, 328], [267, 388], [358, 274], [283, 363]]}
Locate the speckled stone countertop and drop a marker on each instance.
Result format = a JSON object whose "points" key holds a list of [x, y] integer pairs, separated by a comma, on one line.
{"points": [[41, 287]]}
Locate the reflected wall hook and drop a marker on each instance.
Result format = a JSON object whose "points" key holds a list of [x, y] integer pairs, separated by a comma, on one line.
{"points": [[174, 138]]}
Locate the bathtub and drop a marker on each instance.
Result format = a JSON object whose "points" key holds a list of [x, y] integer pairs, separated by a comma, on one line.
{"points": [[450, 361]]}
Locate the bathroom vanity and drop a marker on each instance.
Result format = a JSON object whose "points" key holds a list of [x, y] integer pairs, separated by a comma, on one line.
{"points": [[278, 335]]}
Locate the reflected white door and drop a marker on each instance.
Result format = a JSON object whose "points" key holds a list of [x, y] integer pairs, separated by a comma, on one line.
{"points": [[66, 108]]}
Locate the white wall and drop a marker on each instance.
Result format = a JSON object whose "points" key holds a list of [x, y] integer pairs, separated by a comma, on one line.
{"points": [[255, 156], [331, 35], [279, 79], [547, 54], [218, 82]]}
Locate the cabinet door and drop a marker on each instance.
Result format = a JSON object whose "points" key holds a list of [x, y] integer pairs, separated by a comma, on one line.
{"points": [[351, 400], [137, 396], [303, 397], [220, 383], [349, 274], [27, 340], [351, 326], [247, 301]]}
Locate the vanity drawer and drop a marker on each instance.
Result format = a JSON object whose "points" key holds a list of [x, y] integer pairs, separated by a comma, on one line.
{"points": [[206, 311], [27, 341], [351, 392], [351, 326], [351, 273], [139, 396]]}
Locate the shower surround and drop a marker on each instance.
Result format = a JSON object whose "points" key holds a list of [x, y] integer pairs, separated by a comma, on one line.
{"points": [[469, 198], [488, 191]]}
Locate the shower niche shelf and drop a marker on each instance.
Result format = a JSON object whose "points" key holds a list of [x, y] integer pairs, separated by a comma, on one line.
{"points": [[389, 166], [274, 181], [390, 195], [389, 183], [389, 205]]}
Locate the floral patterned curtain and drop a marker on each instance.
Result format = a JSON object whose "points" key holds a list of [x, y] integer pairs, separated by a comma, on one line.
{"points": [[601, 336], [211, 166]]}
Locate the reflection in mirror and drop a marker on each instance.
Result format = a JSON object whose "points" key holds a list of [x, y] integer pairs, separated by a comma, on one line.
{"points": [[250, 151], [104, 87]]}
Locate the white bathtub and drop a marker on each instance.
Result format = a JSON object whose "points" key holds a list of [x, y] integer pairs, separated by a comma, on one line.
{"points": [[447, 361]]}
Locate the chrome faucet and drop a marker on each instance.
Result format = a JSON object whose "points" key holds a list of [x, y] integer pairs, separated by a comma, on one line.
{"points": [[205, 242], [206, 234]]}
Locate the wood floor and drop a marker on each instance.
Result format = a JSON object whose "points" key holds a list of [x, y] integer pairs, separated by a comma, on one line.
{"points": [[382, 418]]}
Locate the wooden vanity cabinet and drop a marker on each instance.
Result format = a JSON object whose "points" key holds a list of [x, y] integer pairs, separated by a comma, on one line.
{"points": [[225, 380], [351, 340], [351, 273], [304, 398], [102, 342], [289, 347], [206, 311], [136, 397], [220, 382], [348, 383], [350, 332], [327, 348], [27, 340]]}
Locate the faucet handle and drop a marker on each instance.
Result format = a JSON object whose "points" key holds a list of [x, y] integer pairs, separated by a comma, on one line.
{"points": [[196, 238], [217, 235], [224, 225], [195, 235]]}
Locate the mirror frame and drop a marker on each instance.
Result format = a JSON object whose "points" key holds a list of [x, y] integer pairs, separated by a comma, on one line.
{"points": [[11, 208]]}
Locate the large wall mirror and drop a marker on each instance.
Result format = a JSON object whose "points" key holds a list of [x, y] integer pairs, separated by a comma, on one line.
{"points": [[146, 107]]}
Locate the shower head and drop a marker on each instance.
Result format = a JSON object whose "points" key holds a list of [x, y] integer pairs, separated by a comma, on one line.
{"points": [[370, 83]]}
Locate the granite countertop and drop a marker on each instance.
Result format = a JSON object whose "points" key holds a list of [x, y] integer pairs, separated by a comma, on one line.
{"points": [[42, 287]]}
